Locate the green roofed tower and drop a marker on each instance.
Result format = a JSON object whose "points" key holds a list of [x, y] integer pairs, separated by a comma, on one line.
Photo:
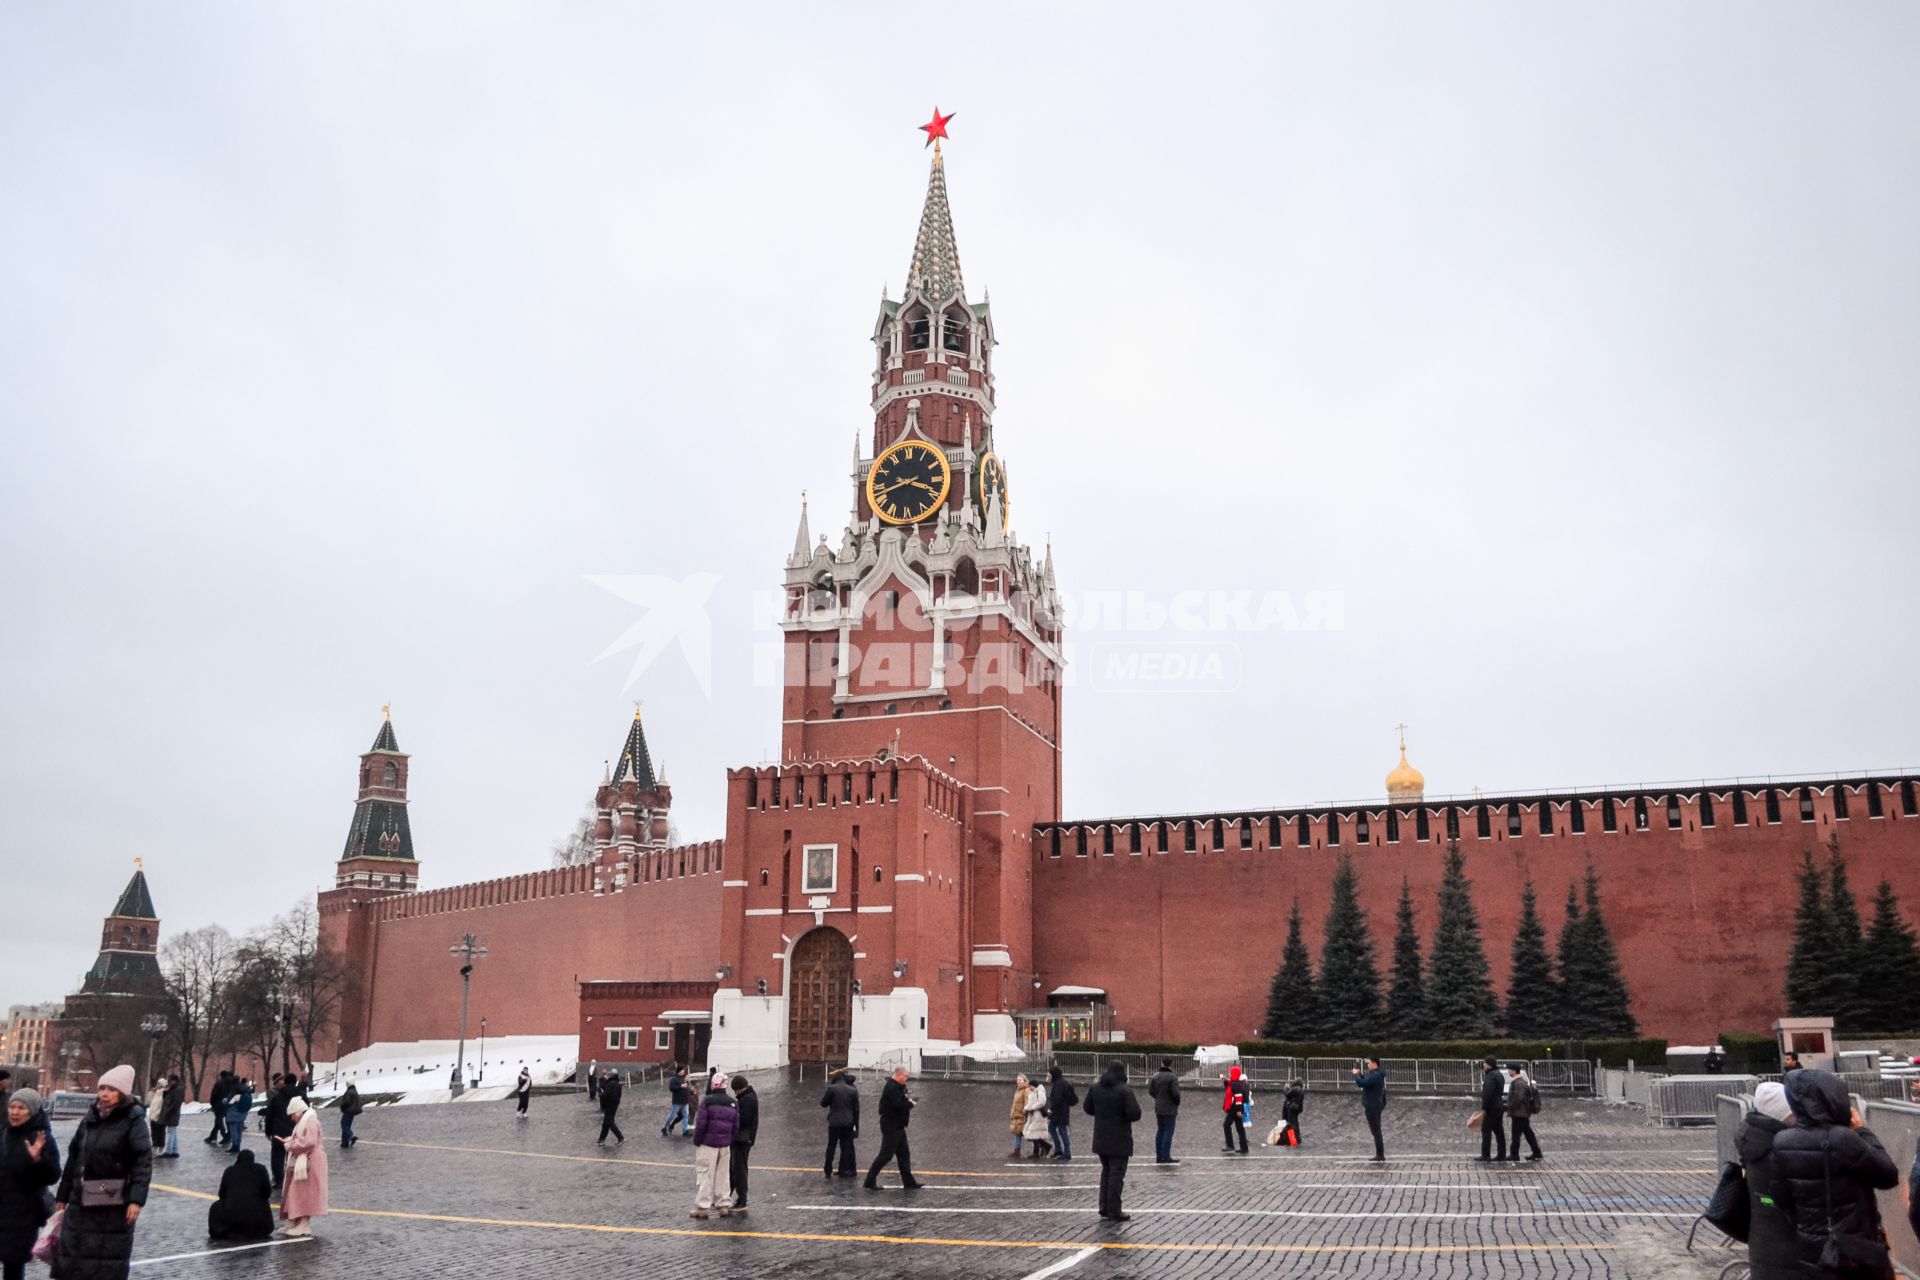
{"points": [[379, 849], [129, 937]]}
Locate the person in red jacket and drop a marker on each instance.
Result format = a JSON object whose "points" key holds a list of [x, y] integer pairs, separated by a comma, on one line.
{"points": [[1234, 1105]]}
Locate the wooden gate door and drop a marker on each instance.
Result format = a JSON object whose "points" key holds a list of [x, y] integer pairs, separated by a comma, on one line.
{"points": [[820, 998]]}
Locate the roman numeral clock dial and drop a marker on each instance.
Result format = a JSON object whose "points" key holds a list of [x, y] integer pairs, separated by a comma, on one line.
{"points": [[908, 482], [991, 480]]}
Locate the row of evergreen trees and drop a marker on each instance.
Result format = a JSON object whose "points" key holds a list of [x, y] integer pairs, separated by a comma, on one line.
{"points": [[1447, 993], [1866, 978]]}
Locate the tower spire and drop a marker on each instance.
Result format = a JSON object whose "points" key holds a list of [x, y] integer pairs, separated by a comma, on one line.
{"points": [[936, 257], [802, 547]]}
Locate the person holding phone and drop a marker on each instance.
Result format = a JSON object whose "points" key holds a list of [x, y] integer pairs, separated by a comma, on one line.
{"points": [[1371, 1081]]}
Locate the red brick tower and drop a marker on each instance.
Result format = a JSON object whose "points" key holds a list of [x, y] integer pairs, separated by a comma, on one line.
{"points": [[632, 802], [377, 862], [921, 722]]}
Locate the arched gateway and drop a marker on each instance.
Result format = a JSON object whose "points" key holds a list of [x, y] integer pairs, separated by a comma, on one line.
{"points": [[820, 997]]}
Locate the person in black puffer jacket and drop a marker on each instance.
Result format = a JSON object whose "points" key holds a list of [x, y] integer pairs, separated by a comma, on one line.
{"points": [[29, 1164], [1827, 1147], [111, 1146], [1773, 1247]]}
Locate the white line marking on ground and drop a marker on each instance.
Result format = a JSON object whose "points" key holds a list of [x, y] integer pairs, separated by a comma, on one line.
{"points": [[1061, 1186], [232, 1248], [1064, 1264], [1253, 1213]]}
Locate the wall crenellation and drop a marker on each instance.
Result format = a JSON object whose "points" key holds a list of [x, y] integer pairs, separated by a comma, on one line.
{"points": [[1630, 812]]}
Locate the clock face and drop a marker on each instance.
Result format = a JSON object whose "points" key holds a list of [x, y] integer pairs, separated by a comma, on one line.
{"points": [[908, 482], [991, 480]]}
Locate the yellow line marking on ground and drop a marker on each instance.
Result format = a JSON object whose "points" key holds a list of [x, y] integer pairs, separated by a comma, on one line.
{"points": [[949, 1242], [682, 1164]]}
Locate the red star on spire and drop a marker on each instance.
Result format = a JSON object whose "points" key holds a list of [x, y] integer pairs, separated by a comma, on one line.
{"points": [[938, 128]]}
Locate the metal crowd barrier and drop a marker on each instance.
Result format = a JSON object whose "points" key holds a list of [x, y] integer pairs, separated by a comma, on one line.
{"points": [[1729, 1109], [1678, 1100], [1897, 1125]]}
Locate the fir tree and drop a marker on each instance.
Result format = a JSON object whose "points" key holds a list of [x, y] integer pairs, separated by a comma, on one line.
{"points": [[1460, 1001], [1810, 973], [1610, 1011], [1889, 969], [1349, 982], [1407, 999], [1849, 940], [1292, 1011], [1574, 998], [1533, 998]]}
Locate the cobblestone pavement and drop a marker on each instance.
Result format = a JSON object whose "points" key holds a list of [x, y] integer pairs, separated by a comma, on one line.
{"points": [[468, 1190]]}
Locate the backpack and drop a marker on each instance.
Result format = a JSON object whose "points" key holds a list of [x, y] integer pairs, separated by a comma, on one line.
{"points": [[1534, 1096]]}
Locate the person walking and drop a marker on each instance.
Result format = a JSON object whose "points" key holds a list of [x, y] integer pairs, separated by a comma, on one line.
{"points": [[1523, 1104], [677, 1100], [842, 1101], [593, 1080], [1773, 1248], [276, 1123], [1830, 1165], [523, 1090], [1115, 1110], [155, 1100], [1291, 1108], [29, 1164], [1372, 1084], [244, 1211], [1062, 1098], [1164, 1089], [104, 1185], [747, 1103], [350, 1109], [896, 1112], [1017, 1117], [1035, 1129], [713, 1132], [1493, 1111], [239, 1103], [610, 1089], [1233, 1107], [304, 1197], [171, 1100], [217, 1103]]}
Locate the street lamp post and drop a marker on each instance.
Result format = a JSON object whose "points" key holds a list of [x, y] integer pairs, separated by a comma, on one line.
{"points": [[468, 949], [155, 1026]]}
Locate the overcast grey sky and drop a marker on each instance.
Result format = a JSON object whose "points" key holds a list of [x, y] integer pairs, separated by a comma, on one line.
{"points": [[1575, 347]]}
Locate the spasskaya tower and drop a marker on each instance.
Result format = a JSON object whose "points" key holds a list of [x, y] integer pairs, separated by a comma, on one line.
{"points": [[882, 868]]}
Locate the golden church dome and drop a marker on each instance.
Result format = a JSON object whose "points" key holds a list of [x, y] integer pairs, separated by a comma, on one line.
{"points": [[1405, 782]]}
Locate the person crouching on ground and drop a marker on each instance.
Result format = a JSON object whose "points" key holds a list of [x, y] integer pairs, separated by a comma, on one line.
{"points": [[713, 1131], [303, 1193], [244, 1211], [1035, 1129]]}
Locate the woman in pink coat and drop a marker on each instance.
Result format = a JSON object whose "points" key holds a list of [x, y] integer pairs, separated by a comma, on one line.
{"points": [[304, 1196]]}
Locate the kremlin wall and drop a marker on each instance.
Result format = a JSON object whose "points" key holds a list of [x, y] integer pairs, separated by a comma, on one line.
{"points": [[907, 880]]}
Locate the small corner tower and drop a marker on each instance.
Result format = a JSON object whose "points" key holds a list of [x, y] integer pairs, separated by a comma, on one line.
{"points": [[630, 807], [129, 939], [379, 851]]}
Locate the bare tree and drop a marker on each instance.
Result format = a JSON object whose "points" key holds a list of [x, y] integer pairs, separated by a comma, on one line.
{"points": [[317, 979], [255, 1001], [576, 847], [198, 968]]}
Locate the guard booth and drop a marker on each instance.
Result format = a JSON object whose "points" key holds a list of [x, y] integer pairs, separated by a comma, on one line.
{"points": [[1073, 1016], [1811, 1038]]}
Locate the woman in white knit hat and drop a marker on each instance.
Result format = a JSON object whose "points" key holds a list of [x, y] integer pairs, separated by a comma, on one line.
{"points": [[102, 1189], [303, 1196]]}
